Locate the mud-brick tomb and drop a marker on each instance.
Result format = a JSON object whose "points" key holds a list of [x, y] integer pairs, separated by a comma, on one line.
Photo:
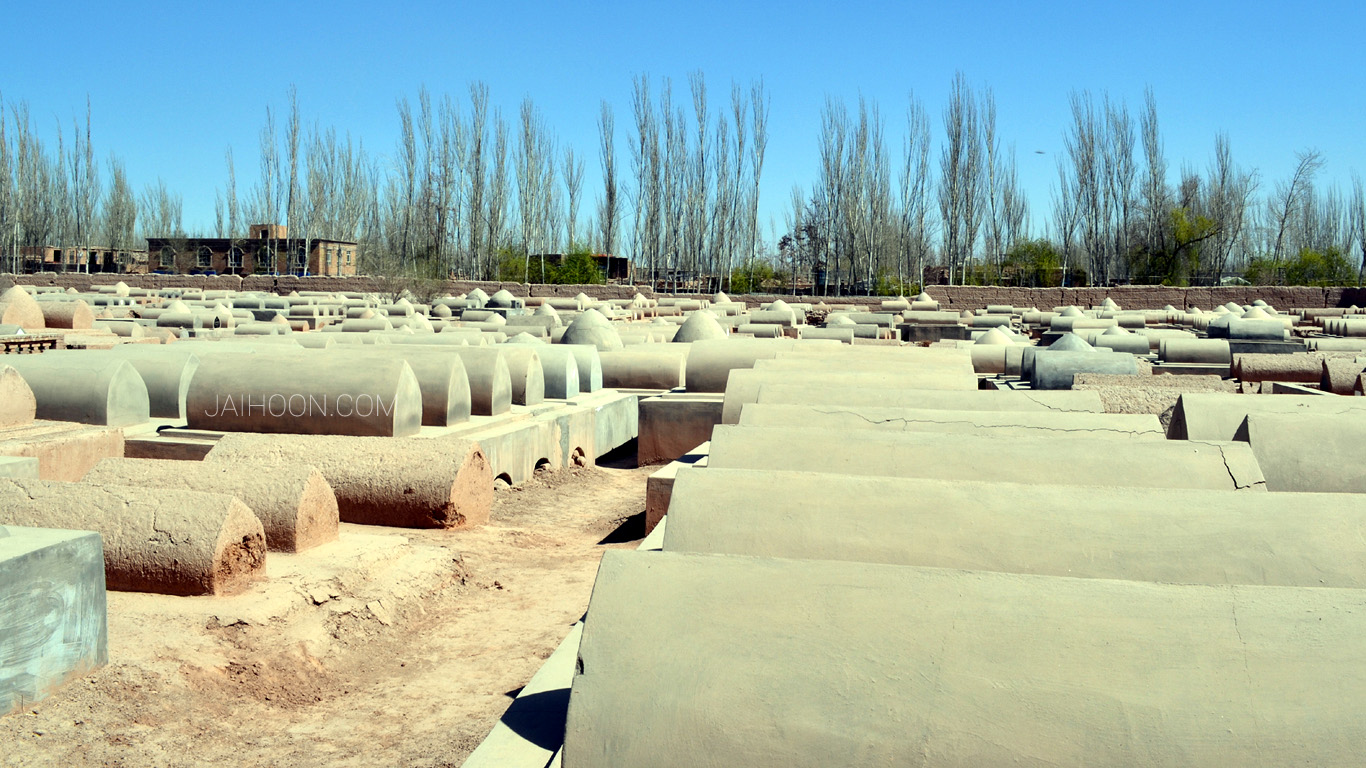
{"points": [[882, 532]]}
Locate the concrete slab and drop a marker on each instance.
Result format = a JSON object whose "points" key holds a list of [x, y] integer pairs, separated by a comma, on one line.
{"points": [[1217, 416], [997, 423], [744, 385], [903, 397], [616, 418], [694, 660], [1168, 536], [1209, 465], [1308, 452], [53, 620], [18, 467]]}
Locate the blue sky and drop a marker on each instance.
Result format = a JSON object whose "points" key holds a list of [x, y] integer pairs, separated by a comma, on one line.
{"points": [[173, 85]]}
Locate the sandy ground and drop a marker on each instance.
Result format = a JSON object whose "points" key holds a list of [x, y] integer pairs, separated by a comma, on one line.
{"points": [[388, 647]]}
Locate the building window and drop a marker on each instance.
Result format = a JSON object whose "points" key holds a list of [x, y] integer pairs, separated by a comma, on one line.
{"points": [[204, 257], [265, 259], [168, 257], [235, 258], [300, 260]]}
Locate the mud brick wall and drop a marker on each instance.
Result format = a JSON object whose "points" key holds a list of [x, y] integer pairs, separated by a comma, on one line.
{"points": [[287, 283], [956, 297], [960, 297]]}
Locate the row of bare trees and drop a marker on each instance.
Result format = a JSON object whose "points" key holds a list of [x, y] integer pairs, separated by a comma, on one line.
{"points": [[1115, 214], [54, 195], [467, 191], [858, 225], [1119, 220], [696, 193]]}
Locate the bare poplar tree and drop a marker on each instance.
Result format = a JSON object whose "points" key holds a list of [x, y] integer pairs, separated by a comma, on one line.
{"points": [[609, 207], [1155, 194], [758, 111], [1083, 145], [719, 216], [268, 200], [528, 166], [832, 186], [404, 189], [160, 211], [476, 164], [9, 223], [993, 166], [1289, 197], [960, 176], [1229, 194], [234, 213], [645, 161], [672, 181], [1120, 175], [1065, 216], [496, 195], [916, 219], [573, 187], [85, 187], [1356, 213], [120, 209], [293, 202], [731, 219], [550, 202], [699, 175]]}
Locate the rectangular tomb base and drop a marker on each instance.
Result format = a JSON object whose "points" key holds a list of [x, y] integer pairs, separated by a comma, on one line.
{"points": [[553, 434], [1290, 388], [1192, 369], [659, 487], [1266, 347], [53, 620], [674, 423], [923, 333], [65, 451]]}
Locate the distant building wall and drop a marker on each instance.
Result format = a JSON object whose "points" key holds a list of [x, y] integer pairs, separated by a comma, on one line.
{"points": [[95, 258], [951, 297], [247, 256]]}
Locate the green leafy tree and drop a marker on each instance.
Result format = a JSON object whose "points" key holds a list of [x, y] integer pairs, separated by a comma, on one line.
{"points": [[751, 276], [1179, 256], [1310, 267], [1314, 268], [511, 267], [578, 267], [1033, 264], [889, 285]]}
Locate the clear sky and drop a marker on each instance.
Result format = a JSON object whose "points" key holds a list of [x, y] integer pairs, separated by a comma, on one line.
{"points": [[174, 84]]}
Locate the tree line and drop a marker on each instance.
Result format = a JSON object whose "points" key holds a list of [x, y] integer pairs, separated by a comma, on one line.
{"points": [[1116, 216], [468, 191]]}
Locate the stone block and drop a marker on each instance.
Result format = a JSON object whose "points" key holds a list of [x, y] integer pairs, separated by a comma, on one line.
{"points": [[53, 620]]}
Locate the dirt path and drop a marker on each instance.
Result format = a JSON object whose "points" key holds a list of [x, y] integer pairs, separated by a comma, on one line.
{"points": [[394, 648]]}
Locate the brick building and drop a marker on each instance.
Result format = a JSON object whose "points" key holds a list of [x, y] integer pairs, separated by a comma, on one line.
{"points": [[267, 250], [94, 258]]}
